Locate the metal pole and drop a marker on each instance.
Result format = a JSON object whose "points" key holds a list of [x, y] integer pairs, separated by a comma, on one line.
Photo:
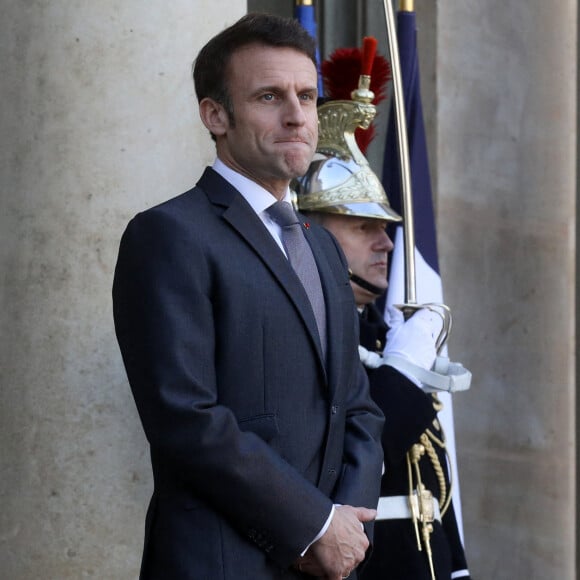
{"points": [[403, 150]]}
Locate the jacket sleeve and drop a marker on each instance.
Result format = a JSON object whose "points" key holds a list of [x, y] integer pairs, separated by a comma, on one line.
{"points": [[363, 457], [164, 323], [408, 410], [359, 484]]}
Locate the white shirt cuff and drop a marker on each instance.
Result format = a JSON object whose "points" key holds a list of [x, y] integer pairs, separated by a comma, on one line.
{"points": [[321, 532]]}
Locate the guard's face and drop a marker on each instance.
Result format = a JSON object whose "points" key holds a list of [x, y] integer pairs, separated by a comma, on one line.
{"points": [[275, 130], [365, 244]]}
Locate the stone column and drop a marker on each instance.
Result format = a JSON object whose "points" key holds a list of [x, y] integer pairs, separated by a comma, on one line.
{"points": [[98, 121], [506, 130]]}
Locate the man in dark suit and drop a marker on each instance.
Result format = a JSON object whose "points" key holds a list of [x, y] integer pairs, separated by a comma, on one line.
{"points": [[265, 443]]}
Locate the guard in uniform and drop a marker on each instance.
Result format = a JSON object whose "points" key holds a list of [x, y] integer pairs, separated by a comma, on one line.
{"points": [[416, 534]]}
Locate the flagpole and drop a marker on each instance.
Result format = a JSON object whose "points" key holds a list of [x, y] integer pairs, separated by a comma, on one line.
{"points": [[403, 150], [304, 12], [406, 6]]}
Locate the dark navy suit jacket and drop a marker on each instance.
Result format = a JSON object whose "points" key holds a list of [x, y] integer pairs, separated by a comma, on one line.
{"points": [[253, 436]]}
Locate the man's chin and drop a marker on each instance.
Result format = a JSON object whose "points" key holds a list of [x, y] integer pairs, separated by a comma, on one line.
{"points": [[298, 164]]}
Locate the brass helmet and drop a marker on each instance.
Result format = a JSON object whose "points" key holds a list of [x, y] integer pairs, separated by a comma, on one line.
{"points": [[339, 179]]}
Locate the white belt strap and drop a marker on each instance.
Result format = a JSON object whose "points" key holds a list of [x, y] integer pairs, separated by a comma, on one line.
{"points": [[396, 507]]}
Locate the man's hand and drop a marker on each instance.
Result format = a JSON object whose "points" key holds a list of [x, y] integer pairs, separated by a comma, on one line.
{"points": [[343, 546]]}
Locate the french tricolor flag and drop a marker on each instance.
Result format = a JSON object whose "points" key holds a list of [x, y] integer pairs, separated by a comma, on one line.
{"points": [[428, 281]]}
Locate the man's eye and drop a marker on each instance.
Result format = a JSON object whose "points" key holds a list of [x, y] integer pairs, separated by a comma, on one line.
{"points": [[307, 97], [268, 97]]}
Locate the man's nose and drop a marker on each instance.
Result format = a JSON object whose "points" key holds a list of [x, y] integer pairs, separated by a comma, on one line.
{"points": [[293, 111], [384, 242]]}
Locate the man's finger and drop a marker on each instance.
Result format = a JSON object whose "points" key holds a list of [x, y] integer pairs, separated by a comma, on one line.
{"points": [[365, 514]]}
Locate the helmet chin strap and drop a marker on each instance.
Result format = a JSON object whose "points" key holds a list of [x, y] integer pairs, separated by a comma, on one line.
{"points": [[364, 284]]}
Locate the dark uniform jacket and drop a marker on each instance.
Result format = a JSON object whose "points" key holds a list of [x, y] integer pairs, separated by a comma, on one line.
{"points": [[409, 412], [253, 436]]}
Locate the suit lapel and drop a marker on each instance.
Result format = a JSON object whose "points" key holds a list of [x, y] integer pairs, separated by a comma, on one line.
{"points": [[238, 213]]}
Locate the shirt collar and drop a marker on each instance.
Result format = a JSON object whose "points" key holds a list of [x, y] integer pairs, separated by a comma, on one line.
{"points": [[259, 198]]}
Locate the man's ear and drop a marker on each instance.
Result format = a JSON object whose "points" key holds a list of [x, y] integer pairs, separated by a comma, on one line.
{"points": [[213, 116]]}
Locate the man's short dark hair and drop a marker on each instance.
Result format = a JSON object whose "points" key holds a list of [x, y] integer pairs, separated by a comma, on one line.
{"points": [[210, 66]]}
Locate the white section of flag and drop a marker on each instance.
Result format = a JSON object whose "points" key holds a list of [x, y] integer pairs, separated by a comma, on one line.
{"points": [[428, 289]]}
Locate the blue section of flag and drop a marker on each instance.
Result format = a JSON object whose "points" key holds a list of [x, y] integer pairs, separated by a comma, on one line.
{"points": [[428, 280], [307, 17], [424, 218]]}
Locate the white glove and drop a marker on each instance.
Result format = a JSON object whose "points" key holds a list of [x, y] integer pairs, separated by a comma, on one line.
{"points": [[413, 339]]}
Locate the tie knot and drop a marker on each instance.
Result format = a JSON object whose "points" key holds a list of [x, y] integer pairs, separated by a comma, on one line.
{"points": [[283, 214]]}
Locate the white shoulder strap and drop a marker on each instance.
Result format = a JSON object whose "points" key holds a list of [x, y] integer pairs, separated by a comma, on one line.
{"points": [[445, 375]]}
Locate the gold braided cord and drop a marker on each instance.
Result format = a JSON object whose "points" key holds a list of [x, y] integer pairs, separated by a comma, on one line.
{"points": [[434, 438], [445, 501], [426, 446], [437, 404], [445, 507], [430, 450]]}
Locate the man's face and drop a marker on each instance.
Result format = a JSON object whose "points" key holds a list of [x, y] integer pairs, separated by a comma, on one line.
{"points": [[365, 244], [273, 94]]}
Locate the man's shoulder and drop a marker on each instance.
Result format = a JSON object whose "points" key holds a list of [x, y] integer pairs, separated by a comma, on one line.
{"points": [[196, 195], [183, 214], [183, 206], [210, 189], [177, 202]]}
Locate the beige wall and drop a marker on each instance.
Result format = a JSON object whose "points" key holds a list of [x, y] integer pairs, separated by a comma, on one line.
{"points": [[98, 121], [506, 146]]}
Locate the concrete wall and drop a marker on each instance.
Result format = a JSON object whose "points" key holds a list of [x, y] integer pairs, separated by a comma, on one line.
{"points": [[506, 146], [98, 121]]}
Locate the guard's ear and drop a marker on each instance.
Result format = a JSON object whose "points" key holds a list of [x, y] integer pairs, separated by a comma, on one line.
{"points": [[214, 116]]}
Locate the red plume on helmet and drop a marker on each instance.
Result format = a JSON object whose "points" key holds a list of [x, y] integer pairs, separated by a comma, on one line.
{"points": [[341, 72]]}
